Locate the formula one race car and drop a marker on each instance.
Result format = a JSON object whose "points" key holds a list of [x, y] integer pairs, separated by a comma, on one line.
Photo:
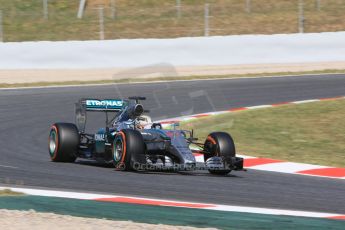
{"points": [[131, 141]]}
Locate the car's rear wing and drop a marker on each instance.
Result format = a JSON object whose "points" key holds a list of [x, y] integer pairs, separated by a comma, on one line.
{"points": [[128, 110], [98, 105]]}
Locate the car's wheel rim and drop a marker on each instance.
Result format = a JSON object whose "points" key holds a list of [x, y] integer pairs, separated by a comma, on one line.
{"points": [[52, 142], [118, 149]]}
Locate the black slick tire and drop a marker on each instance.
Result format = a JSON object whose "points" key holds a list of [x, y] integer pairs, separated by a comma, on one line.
{"points": [[128, 150], [222, 145], [63, 142]]}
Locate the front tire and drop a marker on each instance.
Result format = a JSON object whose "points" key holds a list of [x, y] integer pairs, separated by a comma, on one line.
{"points": [[219, 144], [63, 142], [128, 150]]}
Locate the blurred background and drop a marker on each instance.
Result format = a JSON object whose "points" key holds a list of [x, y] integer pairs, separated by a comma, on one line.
{"points": [[55, 20]]}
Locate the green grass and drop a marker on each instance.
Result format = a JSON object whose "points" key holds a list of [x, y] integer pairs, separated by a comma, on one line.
{"points": [[309, 133], [8, 192], [137, 80], [23, 20]]}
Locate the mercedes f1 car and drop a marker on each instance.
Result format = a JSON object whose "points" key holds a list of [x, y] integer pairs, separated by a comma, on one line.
{"points": [[131, 141]]}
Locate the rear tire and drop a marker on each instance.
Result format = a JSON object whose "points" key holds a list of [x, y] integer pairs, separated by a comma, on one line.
{"points": [[128, 150], [222, 145], [63, 142]]}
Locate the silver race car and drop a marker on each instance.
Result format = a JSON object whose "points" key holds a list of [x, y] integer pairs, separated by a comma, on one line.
{"points": [[131, 141]]}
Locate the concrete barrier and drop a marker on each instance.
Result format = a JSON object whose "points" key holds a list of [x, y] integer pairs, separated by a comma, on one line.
{"points": [[98, 60]]}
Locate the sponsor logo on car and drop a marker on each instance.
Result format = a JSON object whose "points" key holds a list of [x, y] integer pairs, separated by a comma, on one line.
{"points": [[104, 103], [99, 137]]}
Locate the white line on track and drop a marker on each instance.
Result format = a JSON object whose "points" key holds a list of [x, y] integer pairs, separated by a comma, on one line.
{"points": [[305, 101], [8, 166], [259, 107], [287, 167]]}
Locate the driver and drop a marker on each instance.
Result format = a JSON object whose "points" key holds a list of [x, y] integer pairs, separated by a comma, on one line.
{"points": [[144, 122]]}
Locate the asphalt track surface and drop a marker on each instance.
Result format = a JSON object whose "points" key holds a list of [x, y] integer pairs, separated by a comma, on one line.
{"points": [[27, 114]]}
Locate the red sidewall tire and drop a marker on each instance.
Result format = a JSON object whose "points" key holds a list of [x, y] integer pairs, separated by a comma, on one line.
{"points": [[63, 142]]}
